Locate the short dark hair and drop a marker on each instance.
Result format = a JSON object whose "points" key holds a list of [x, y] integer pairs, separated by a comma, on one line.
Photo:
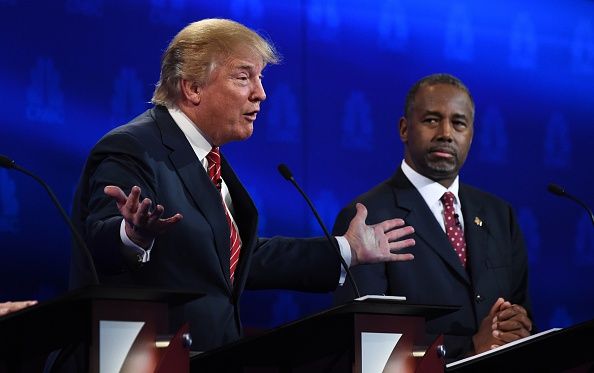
{"points": [[432, 80]]}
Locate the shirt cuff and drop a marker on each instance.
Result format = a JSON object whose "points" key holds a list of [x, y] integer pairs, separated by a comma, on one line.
{"points": [[345, 251], [144, 256]]}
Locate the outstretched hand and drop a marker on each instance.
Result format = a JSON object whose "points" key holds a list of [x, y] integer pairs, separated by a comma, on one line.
{"points": [[379, 242], [142, 224], [8, 307]]}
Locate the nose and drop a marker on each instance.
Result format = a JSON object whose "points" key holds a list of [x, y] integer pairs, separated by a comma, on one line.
{"points": [[445, 130], [258, 93]]}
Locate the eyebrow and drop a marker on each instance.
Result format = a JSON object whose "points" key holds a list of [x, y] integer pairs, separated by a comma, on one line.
{"points": [[440, 114], [460, 116]]}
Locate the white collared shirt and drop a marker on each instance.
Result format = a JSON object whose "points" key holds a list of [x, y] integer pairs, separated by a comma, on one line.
{"points": [[432, 191]]}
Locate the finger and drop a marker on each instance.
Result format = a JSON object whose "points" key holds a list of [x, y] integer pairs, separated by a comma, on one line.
{"points": [[399, 257], [157, 212], [396, 234], [116, 193], [163, 224], [518, 322], [508, 325], [495, 308], [511, 312], [132, 201], [361, 214], [172, 220], [388, 226], [402, 244], [510, 336], [143, 213], [15, 306]]}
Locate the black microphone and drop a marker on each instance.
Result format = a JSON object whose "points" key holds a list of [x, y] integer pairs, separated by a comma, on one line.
{"points": [[556, 189], [9, 163], [284, 170]]}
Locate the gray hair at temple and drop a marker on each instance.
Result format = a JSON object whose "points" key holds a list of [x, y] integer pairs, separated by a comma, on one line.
{"points": [[198, 48], [432, 80]]}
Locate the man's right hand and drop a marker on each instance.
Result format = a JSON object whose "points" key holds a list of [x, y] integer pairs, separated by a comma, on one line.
{"points": [[142, 224], [505, 323]]}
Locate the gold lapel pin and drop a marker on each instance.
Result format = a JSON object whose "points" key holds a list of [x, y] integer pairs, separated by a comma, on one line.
{"points": [[478, 221]]}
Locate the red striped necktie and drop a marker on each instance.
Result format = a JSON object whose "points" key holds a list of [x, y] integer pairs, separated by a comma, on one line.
{"points": [[214, 171]]}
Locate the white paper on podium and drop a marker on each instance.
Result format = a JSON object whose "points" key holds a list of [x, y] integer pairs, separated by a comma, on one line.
{"points": [[376, 349], [115, 341], [392, 298]]}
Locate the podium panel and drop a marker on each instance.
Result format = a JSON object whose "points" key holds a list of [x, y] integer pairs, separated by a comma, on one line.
{"points": [[100, 318], [331, 341]]}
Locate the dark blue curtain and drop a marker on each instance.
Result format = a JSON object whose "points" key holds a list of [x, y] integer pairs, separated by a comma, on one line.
{"points": [[71, 70]]}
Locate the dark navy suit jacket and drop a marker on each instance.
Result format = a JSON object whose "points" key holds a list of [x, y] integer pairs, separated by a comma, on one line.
{"points": [[496, 267], [193, 255]]}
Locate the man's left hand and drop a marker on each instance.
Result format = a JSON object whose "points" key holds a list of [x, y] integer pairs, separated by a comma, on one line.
{"points": [[379, 242]]}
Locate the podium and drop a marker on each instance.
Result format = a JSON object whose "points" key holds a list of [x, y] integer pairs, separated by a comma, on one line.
{"points": [[565, 350], [347, 338], [119, 326]]}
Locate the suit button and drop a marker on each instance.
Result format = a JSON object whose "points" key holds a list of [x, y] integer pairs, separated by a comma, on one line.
{"points": [[478, 298]]}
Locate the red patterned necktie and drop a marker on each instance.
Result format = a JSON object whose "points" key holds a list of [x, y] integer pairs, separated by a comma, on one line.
{"points": [[214, 171], [453, 227]]}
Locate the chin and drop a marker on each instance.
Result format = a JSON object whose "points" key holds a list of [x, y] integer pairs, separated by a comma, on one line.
{"points": [[441, 171], [244, 136]]}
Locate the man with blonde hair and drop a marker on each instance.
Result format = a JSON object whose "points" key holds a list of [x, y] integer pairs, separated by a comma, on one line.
{"points": [[160, 207]]}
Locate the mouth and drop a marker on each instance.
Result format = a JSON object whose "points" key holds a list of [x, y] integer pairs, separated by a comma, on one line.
{"points": [[251, 115], [443, 152]]}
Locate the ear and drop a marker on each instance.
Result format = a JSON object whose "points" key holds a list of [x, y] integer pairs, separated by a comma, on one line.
{"points": [[403, 129], [190, 91]]}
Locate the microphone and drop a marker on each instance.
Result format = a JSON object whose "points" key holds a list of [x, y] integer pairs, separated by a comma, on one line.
{"points": [[286, 173], [9, 163], [557, 190]]}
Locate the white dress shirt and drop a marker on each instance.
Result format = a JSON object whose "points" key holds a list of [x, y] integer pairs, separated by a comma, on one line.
{"points": [[432, 191]]}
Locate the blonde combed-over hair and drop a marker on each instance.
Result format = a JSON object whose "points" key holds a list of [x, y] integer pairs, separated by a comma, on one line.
{"points": [[197, 49]]}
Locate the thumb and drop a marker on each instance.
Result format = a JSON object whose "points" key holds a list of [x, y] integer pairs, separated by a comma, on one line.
{"points": [[116, 193], [496, 306], [361, 212]]}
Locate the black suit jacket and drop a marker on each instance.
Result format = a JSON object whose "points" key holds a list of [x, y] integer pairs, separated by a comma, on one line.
{"points": [[496, 266], [193, 255]]}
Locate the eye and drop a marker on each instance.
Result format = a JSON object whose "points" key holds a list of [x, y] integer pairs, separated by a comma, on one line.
{"points": [[431, 120]]}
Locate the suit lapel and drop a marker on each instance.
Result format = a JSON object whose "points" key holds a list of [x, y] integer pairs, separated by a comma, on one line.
{"points": [[426, 227], [246, 218], [475, 231], [196, 181]]}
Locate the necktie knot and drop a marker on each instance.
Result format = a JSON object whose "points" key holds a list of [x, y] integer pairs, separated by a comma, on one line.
{"points": [[214, 166], [448, 199]]}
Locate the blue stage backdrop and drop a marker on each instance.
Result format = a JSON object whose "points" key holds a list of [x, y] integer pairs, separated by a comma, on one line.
{"points": [[73, 69]]}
